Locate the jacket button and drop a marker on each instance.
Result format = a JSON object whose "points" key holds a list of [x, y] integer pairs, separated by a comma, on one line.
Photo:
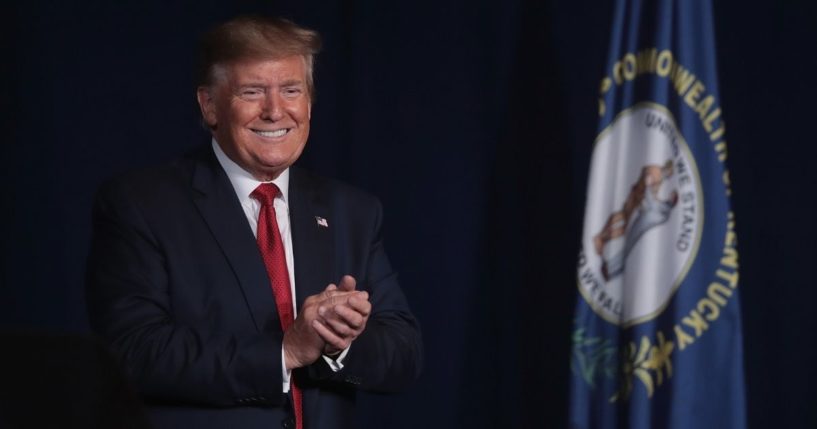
{"points": [[288, 423]]}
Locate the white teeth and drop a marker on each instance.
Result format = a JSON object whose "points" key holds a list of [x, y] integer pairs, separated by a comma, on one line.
{"points": [[276, 133]]}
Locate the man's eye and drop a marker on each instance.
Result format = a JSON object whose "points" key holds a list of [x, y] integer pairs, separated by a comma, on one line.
{"points": [[251, 93], [292, 91]]}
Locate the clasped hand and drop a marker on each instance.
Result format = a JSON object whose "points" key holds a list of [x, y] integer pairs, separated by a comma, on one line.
{"points": [[327, 323]]}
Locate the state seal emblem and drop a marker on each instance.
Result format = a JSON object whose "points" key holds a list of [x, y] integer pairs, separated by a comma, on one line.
{"points": [[644, 216]]}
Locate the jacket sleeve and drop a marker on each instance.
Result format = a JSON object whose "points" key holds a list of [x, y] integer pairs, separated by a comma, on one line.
{"points": [[387, 356], [129, 305]]}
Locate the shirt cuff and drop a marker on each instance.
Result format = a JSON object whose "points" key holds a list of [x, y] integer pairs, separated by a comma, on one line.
{"points": [[336, 364], [285, 375]]}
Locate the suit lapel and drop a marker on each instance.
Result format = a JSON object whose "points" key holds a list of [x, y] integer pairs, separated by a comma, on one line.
{"points": [[220, 208], [311, 237]]}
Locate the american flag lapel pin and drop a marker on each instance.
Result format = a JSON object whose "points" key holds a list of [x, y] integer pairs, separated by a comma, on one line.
{"points": [[321, 221]]}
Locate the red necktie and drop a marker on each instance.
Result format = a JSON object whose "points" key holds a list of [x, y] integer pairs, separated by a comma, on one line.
{"points": [[272, 251]]}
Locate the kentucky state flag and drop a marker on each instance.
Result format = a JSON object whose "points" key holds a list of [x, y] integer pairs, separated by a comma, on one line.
{"points": [[657, 337]]}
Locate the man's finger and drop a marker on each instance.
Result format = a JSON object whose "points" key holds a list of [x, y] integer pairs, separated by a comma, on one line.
{"points": [[347, 283], [341, 328], [330, 337], [335, 295], [342, 317], [360, 303], [350, 316], [328, 292]]}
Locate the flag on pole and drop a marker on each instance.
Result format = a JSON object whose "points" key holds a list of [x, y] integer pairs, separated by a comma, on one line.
{"points": [[657, 336]]}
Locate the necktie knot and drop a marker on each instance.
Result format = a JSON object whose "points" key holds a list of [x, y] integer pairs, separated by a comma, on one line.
{"points": [[265, 193]]}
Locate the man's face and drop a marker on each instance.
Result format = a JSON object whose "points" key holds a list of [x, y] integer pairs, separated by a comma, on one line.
{"points": [[259, 112]]}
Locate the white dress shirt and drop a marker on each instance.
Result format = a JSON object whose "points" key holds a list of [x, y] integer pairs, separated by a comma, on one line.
{"points": [[244, 184]]}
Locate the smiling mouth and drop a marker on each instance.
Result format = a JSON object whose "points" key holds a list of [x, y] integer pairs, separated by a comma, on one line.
{"points": [[272, 134]]}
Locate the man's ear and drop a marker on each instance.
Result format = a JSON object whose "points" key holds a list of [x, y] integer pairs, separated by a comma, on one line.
{"points": [[204, 95]]}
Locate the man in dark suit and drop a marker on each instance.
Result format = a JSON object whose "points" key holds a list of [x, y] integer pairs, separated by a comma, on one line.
{"points": [[240, 291]]}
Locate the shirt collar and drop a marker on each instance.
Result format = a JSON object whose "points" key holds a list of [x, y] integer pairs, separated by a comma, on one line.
{"points": [[244, 182]]}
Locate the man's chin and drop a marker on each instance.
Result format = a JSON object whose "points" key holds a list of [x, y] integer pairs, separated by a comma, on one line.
{"points": [[266, 171]]}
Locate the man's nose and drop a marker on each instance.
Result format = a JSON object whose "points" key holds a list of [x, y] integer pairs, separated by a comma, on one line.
{"points": [[272, 108]]}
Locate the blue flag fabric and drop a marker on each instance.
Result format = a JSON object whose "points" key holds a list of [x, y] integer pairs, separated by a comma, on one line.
{"points": [[657, 337]]}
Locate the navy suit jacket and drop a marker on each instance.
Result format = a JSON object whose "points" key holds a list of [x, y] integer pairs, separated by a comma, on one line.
{"points": [[177, 286]]}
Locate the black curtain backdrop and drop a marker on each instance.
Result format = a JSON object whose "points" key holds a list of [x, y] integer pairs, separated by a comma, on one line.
{"points": [[473, 121]]}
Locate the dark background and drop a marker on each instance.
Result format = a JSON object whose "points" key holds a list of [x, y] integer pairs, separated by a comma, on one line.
{"points": [[473, 121]]}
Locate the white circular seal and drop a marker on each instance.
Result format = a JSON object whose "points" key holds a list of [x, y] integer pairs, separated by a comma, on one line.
{"points": [[643, 218]]}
